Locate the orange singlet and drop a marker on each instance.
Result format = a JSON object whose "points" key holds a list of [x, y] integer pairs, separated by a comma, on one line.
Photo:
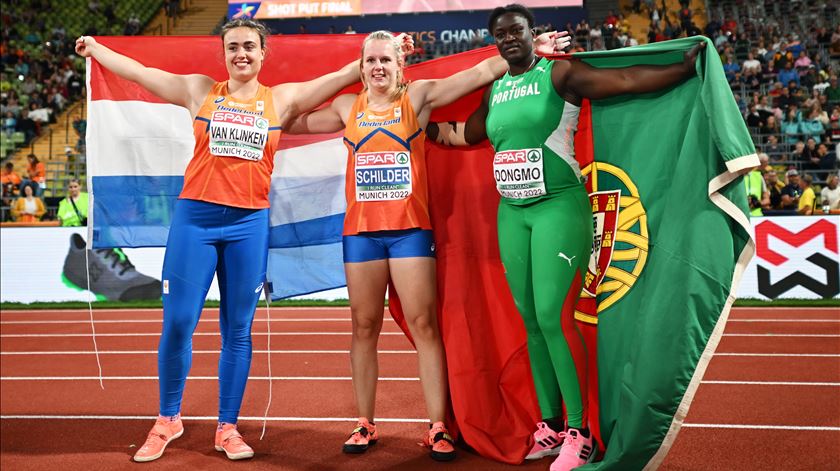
{"points": [[386, 169], [235, 144]]}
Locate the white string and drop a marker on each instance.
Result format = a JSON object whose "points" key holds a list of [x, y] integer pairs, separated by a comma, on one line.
{"points": [[90, 311], [267, 292]]}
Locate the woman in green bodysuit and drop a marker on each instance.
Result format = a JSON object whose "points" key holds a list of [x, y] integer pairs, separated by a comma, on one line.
{"points": [[530, 116]]}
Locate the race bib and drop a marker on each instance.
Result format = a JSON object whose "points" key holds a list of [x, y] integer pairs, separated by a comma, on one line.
{"points": [[519, 173], [383, 176], [238, 135]]}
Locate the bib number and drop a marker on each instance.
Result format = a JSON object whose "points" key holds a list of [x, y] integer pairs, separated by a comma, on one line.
{"points": [[519, 173], [382, 176], [238, 135]]}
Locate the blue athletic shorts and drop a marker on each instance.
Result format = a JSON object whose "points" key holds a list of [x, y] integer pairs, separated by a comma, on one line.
{"points": [[383, 245]]}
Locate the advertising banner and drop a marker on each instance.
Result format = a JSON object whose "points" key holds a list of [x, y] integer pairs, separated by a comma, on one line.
{"points": [[279, 9], [796, 257]]}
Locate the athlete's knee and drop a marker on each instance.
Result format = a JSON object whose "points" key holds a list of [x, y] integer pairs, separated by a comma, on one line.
{"points": [[424, 326], [366, 327]]}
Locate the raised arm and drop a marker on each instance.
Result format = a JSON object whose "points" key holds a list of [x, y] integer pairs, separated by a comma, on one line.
{"points": [[325, 120], [468, 133], [575, 80], [183, 90], [293, 99], [441, 92]]}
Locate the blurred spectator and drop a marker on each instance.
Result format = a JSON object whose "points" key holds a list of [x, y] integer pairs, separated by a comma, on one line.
{"points": [[812, 126], [132, 25], [830, 194], [791, 125], [73, 210], [754, 119], [11, 182], [774, 188], [27, 126], [9, 124], [791, 191], [770, 126], [787, 75], [731, 69], [751, 65], [349, 30], [28, 208], [807, 197], [36, 174], [825, 159], [833, 91]]}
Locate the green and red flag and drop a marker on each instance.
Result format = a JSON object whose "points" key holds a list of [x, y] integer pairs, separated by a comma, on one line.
{"points": [[672, 238]]}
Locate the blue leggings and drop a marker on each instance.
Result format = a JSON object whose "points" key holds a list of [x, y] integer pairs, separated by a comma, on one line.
{"points": [[204, 239]]}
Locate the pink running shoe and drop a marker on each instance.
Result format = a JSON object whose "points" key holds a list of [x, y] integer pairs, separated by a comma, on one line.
{"points": [[163, 432], [440, 443], [576, 451], [230, 441], [362, 437], [546, 442]]}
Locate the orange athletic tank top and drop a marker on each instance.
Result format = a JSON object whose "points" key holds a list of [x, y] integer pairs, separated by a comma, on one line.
{"points": [[386, 169], [235, 144]]}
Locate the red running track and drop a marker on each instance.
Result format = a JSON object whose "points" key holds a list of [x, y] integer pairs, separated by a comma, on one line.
{"points": [[770, 397]]}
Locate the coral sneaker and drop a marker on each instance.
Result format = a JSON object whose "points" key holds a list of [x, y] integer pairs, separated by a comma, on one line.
{"points": [[546, 442], [163, 432], [440, 442], [577, 450], [230, 441], [362, 437]]}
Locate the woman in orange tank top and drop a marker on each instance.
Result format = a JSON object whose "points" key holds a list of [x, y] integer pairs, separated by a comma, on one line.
{"points": [[387, 230], [220, 223]]}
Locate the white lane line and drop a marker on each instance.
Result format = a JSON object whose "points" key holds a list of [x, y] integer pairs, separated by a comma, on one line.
{"points": [[194, 378], [791, 355], [158, 309], [348, 378], [784, 320], [157, 334], [381, 419], [147, 352], [781, 335], [204, 417], [132, 352], [765, 427], [771, 383], [158, 321]]}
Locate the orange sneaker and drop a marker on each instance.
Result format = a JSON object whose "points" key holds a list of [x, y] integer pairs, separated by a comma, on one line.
{"points": [[230, 441], [362, 437], [440, 442], [163, 432]]}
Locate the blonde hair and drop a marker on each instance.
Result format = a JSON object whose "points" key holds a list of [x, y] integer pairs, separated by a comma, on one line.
{"points": [[402, 85]]}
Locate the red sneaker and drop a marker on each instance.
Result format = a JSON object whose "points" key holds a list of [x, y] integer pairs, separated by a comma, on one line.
{"points": [[230, 441], [362, 437], [163, 432], [440, 442]]}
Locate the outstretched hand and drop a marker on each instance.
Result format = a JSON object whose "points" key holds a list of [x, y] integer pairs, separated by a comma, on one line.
{"points": [[406, 42], [84, 45], [552, 42]]}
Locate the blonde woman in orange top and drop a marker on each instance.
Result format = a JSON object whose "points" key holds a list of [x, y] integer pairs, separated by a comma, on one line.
{"points": [[387, 229], [28, 208], [220, 224]]}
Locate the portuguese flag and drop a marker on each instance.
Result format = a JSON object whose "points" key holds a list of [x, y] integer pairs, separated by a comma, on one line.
{"points": [[672, 238]]}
